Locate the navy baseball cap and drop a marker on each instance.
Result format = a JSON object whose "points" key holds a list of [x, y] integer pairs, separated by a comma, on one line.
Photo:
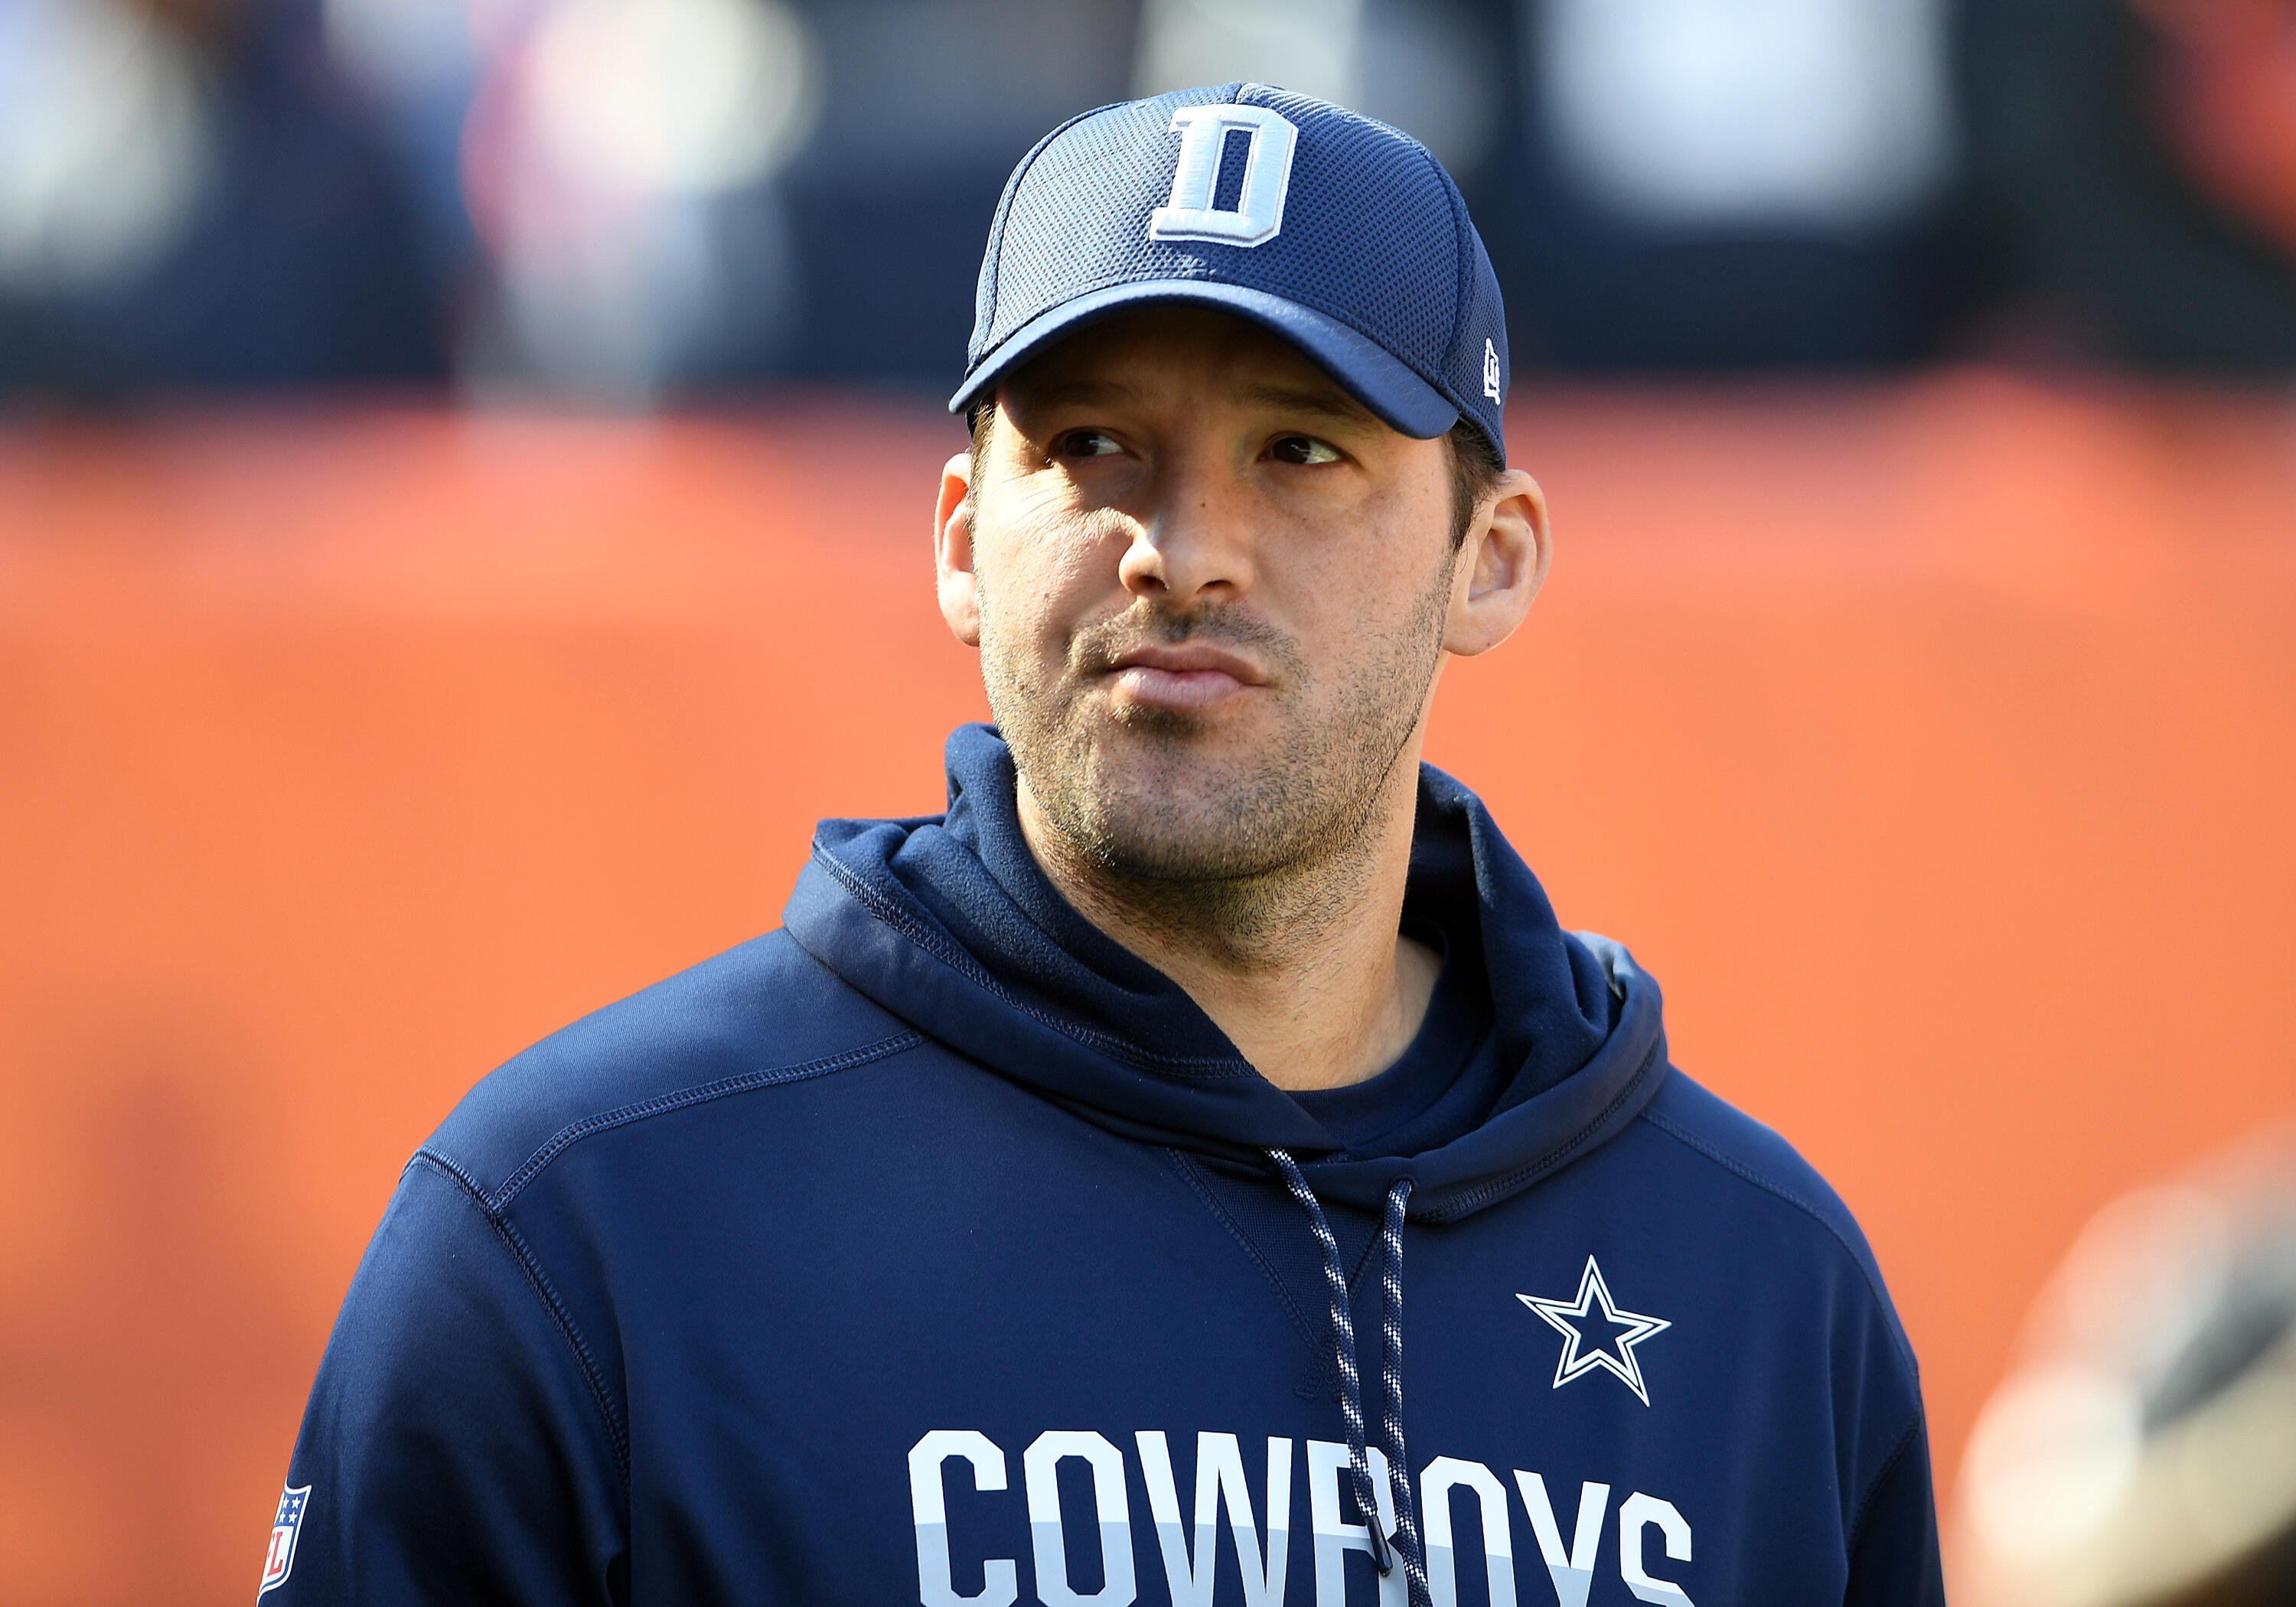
{"points": [[1337, 233]]}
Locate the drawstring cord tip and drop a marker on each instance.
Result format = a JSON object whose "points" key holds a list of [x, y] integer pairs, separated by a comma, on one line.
{"points": [[1383, 1554]]}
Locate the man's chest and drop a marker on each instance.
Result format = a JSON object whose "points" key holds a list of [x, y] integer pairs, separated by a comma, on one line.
{"points": [[1126, 1389]]}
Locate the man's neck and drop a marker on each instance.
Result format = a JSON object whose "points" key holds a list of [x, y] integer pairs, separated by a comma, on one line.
{"points": [[1304, 969]]}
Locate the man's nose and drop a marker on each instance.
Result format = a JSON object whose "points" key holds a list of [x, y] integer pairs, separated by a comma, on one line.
{"points": [[1194, 542]]}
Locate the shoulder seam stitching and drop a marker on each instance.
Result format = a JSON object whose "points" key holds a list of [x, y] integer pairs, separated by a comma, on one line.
{"points": [[743, 1083], [538, 1283], [1692, 1141], [1881, 1475]]}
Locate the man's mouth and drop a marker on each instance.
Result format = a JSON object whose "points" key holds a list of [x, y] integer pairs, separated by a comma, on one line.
{"points": [[1181, 675]]}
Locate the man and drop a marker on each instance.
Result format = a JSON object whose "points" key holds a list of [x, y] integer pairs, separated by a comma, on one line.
{"points": [[1032, 1218]]}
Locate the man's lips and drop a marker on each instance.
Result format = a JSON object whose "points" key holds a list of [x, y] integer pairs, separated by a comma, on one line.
{"points": [[1182, 675]]}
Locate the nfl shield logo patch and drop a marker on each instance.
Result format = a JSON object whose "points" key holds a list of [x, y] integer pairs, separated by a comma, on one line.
{"points": [[284, 1527]]}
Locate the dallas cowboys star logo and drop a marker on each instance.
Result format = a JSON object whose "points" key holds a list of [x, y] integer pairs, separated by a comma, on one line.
{"points": [[1583, 1323]]}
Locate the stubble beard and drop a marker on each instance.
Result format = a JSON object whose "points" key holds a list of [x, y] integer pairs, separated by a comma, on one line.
{"points": [[1227, 846]]}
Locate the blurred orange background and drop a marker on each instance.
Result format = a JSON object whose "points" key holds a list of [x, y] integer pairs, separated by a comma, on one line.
{"points": [[1934, 745]]}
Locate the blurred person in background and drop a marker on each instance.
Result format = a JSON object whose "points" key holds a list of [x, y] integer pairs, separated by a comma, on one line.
{"points": [[1733, 185], [1747, 186], [2133, 164], [2143, 1453], [192, 197]]}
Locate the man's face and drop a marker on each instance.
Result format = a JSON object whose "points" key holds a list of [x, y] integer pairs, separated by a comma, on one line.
{"points": [[1210, 592]]}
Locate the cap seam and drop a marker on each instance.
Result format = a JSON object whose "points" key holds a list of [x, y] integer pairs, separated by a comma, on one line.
{"points": [[995, 266], [1461, 283]]}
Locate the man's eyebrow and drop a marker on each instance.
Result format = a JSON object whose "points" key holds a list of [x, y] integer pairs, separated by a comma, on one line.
{"points": [[1084, 388], [1335, 405]]}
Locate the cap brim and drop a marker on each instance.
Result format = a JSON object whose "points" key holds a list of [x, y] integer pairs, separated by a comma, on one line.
{"points": [[1366, 369]]}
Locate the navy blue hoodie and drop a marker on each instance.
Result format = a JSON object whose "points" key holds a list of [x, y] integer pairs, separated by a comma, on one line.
{"points": [[934, 1249]]}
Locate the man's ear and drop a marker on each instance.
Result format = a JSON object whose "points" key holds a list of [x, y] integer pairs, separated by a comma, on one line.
{"points": [[1502, 564], [960, 593]]}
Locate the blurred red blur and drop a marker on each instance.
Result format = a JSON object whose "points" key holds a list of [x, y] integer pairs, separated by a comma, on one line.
{"points": [[1934, 746]]}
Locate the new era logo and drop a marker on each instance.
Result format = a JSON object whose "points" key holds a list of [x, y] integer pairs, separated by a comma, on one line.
{"points": [[1491, 371]]}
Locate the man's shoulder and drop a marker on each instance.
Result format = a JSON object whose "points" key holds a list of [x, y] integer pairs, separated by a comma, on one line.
{"points": [[1739, 1155], [762, 1014]]}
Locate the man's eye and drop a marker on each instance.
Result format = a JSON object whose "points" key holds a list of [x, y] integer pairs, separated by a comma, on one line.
{"points": [[1086, 443], [1302, 449]]}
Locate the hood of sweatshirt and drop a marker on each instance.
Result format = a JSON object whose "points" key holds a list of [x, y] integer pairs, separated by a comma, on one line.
{"points": [[947, 922]]}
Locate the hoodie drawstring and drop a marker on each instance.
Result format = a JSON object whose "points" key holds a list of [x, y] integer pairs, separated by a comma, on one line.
{"points": [[1398, 1463], [1406, 1539]]}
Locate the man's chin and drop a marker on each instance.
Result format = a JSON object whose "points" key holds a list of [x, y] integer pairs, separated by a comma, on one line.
{"points": [[1197, 771], [1170, 853], [1180, 824], [1178, 799]]}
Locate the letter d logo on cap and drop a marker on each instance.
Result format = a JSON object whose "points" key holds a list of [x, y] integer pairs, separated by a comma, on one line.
{"points": [[1257, 215]]}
